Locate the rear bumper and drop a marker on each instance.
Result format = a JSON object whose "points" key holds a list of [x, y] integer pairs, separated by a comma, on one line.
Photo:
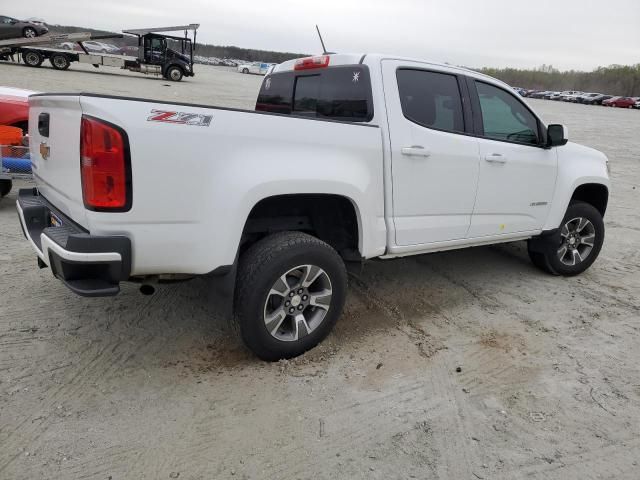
{"points": [[89, 265]]}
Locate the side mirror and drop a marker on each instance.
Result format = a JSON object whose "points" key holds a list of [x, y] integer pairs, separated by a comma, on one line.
{"points": [[557, 135]]}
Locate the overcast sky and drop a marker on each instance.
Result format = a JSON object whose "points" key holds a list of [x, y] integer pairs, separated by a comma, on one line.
{"points": [[578, 34]]}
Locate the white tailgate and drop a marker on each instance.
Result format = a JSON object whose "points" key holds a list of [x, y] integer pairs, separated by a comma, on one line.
{"points": [[58, 175]]}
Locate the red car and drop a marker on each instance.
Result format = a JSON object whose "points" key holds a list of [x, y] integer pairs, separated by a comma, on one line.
{"points": [[14, 107], [623, 102]]}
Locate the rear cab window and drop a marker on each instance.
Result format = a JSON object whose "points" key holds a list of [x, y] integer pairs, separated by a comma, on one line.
{"points": [[333, 93]]}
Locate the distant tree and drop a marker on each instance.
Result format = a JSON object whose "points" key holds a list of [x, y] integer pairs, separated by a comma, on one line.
{"points": [[613, 80]]}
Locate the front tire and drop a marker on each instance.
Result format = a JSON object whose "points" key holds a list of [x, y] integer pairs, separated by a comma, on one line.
{"points": [[290, 291], [174, 74], [245, 70], [577, 246]]}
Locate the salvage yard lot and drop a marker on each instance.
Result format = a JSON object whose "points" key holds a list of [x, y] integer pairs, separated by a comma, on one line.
{"points": [[548, 385]]}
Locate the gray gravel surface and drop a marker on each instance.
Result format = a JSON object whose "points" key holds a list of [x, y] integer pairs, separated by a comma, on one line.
{"points": [[548, 385]]}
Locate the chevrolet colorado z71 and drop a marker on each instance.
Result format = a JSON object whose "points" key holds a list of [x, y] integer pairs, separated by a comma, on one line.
{"points": [[347, 157]]}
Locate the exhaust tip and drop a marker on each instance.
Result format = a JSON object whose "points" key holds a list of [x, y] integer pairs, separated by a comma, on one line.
{"points": [[147, 290]]}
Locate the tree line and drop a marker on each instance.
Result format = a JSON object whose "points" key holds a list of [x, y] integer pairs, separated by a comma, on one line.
{"points": [[613, 80]]}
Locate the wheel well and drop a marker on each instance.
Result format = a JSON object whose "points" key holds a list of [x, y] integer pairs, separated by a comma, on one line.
{"points": [[594, 194], [331, 218]]}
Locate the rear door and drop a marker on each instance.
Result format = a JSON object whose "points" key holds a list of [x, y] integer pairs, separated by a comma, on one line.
{"points": [[435, 161], [517, 175]]}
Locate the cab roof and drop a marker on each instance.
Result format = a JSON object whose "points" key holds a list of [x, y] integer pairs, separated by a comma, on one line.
{"points": [[337, 59]]}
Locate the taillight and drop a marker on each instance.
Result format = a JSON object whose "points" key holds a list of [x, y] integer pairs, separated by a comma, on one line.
{"points": [[308, 63], [105, 166]]}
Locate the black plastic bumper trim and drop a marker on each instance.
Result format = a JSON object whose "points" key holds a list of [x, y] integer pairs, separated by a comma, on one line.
{"points": [[90, 279]]}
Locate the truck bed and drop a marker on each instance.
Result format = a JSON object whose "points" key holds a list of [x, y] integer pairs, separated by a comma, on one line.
{"points": [[197, 171]]}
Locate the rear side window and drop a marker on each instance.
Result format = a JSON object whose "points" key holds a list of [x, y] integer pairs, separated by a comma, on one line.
{"points": [[336, 93], [431, 99]]}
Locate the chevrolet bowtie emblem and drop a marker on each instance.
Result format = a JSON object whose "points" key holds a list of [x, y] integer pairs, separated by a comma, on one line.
{"points": [[44, 151]]}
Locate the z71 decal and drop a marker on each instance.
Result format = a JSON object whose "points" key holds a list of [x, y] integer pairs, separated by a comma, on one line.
{"points": [[180, 118]]}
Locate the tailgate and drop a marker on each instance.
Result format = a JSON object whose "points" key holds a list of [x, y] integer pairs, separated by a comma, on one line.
{"points": [[54, 132]]}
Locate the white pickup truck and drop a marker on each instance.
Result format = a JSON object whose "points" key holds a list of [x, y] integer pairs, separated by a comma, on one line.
{"points": [[347, 157]]}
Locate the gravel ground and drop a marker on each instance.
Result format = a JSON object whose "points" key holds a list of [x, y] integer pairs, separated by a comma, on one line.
{"points": [[548, 385]]}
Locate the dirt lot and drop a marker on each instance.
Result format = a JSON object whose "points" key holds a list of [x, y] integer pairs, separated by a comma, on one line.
{"points": [[158, 387]]}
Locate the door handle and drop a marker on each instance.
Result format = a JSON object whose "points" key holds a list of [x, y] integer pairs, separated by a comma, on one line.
{"points": [[496, 158], [415, 151]]}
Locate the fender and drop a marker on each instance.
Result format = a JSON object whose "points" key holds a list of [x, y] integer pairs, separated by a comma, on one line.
{"points": [[577, 165]]}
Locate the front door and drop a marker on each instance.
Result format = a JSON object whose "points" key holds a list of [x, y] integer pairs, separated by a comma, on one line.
{"points": [[154, 50], [434, 162], [517, 175]]}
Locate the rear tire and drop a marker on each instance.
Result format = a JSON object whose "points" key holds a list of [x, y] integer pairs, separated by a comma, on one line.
{"points": [[32, 59], [578, 246], [245, 70], [290, 291], [60, 61], [5, 187]]}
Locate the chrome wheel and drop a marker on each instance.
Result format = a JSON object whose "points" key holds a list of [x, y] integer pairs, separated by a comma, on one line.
{"points": [[175, 74], [578, 240], [297, 303], [30, 33]]}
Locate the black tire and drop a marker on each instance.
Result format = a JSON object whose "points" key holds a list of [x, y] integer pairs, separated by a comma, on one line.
{"points": [[60, 61], [33, 59], [174, 74], [5, 187], [546, 252], [260, 268], [245, 70], [29, 32]]}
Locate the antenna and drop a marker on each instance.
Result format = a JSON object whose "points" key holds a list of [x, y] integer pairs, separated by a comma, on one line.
{"points": [[324, 50]]}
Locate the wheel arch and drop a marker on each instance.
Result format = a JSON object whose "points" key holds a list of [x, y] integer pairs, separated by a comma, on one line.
{"points": [[333, 218], [595, 194]]}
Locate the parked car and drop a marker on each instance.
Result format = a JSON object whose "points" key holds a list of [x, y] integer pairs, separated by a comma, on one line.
{"points": [[622, 102], [332, 127], [597, 100], [13, 28], [257, 68], [637, 104], [569, 96], [129, 50], [538, 94], [69, 46], [585, 97], [100, 47]]}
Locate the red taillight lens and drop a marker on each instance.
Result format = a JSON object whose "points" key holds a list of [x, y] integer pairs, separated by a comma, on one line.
{"points": [[308, 63], [104, 166]]}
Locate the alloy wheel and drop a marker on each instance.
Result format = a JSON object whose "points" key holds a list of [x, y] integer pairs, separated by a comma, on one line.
{"points": [[578, 240], [297, 303]]}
